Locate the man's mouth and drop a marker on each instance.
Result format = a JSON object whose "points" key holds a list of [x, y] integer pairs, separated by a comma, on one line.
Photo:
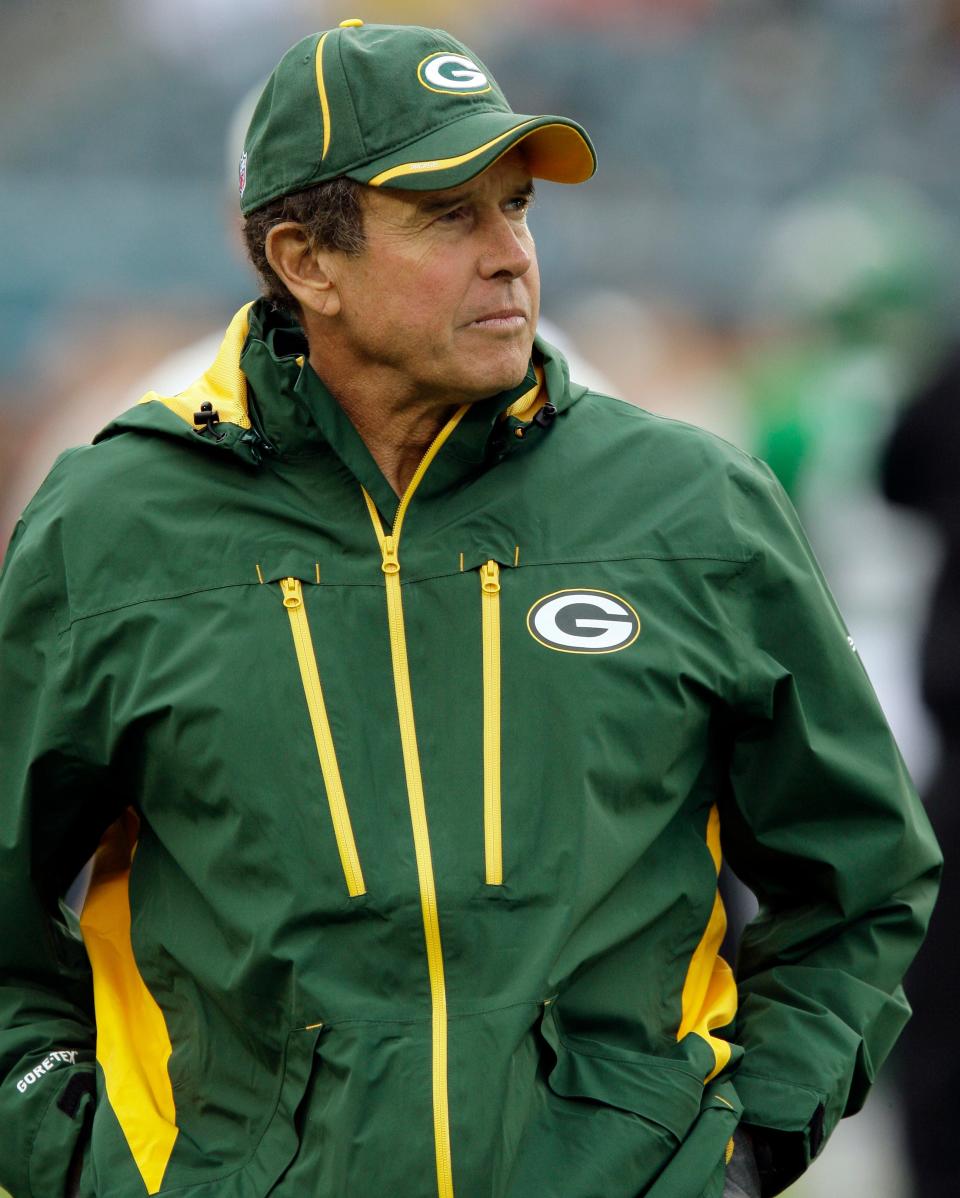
{"points": [[503, 320]]}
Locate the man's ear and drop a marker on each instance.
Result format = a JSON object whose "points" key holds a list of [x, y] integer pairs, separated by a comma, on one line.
{"points": [[308, 274]]}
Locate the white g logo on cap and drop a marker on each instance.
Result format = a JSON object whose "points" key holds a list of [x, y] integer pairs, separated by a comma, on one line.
{"points": [[443, 72]]}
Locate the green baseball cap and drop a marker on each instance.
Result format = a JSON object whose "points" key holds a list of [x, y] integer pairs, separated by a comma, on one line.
{"points": [[393, 106]]}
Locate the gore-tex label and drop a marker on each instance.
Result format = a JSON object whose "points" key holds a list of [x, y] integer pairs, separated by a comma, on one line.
{"points": [[48, 1063]]}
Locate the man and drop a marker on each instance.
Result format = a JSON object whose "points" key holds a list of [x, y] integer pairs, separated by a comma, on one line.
{"points": [[412, 693], [81, 414]]}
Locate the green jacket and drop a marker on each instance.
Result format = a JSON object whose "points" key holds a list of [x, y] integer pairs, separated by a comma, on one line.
{"points": [[428, 802]]}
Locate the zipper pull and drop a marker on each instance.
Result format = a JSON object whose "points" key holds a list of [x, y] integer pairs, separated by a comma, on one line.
{"points": [[256, 445], [391, 563], [490, 577], [292, 592]]}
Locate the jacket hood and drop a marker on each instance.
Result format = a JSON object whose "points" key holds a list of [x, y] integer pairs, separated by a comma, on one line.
{"points": [[261, 396]]}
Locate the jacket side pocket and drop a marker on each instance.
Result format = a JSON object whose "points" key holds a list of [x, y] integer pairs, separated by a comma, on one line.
{"points": [[281, 1140], [62, 1132], [638, 1106], [262, 1161], [699, 1166]]}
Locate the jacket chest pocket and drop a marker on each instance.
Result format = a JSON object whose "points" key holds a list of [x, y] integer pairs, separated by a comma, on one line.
{"points": [[294, 604]]}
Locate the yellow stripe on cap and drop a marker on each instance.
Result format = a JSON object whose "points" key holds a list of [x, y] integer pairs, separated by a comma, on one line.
{"points": [[324, 105], [442, 164]]}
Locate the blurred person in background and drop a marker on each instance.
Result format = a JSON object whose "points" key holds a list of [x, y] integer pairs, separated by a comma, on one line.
{"points": [[852, 303], [921, 470], [265, 1023]]}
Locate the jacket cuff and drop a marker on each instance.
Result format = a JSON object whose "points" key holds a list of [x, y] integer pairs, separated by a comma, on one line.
{"points": [[61, 1135], [786, 1123]]}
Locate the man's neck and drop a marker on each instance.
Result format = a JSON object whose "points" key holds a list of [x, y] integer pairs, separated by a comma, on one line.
{"points": [[397, 428]]}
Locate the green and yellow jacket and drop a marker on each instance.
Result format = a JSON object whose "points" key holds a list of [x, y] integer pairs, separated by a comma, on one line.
{"points": [[410, 812]]}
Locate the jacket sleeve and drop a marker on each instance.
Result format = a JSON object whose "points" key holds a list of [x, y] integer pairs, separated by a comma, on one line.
{"points": [[54, 805], [822, 822]]}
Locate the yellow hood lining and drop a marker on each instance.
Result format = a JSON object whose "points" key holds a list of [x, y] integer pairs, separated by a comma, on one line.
{"points": [[224, 385]]}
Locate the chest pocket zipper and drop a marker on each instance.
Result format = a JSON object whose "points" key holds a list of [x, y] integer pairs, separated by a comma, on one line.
{"points": [[492, 818], [310, 676]]}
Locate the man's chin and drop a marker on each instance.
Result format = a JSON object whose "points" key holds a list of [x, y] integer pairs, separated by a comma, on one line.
{"points": [[494, 373]]}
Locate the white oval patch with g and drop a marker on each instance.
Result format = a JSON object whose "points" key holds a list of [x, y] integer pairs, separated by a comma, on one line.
{"points": [[443, 72], [583, 621]]}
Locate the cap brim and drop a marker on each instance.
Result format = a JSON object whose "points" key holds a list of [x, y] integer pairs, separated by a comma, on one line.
{"points": [[557, 149]]}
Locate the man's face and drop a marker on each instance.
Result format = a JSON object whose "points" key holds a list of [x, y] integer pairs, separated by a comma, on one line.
{"points": [[446, 293]]}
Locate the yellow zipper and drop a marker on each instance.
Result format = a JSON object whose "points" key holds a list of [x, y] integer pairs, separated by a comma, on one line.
{"points": [[389, 549], [492, 825], [310, 675]]}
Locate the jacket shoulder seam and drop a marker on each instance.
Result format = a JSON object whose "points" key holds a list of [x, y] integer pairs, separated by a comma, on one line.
{"points": [[734, 559], [641, 413], [182, 594], [742, 560], [104, 611]]}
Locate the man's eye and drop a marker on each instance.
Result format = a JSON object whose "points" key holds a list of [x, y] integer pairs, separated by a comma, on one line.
{"points": [[451, 217], [520, 203]]}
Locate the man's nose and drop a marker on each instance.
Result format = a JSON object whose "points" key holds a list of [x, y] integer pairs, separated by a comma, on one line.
{"points": [[507, 248]]}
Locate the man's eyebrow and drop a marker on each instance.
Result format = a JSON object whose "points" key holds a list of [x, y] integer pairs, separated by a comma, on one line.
{"points": [[442, 200]]}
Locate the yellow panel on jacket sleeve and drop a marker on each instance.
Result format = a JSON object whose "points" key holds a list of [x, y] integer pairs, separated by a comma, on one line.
{"points": [[133, 1045], [709, 998]]}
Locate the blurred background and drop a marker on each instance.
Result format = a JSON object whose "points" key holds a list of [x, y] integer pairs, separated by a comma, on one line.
{"points": [[769, 250]]}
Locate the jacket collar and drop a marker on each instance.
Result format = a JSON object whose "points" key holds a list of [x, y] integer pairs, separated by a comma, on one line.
{"points": [[298, 416], [267, 401]]}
